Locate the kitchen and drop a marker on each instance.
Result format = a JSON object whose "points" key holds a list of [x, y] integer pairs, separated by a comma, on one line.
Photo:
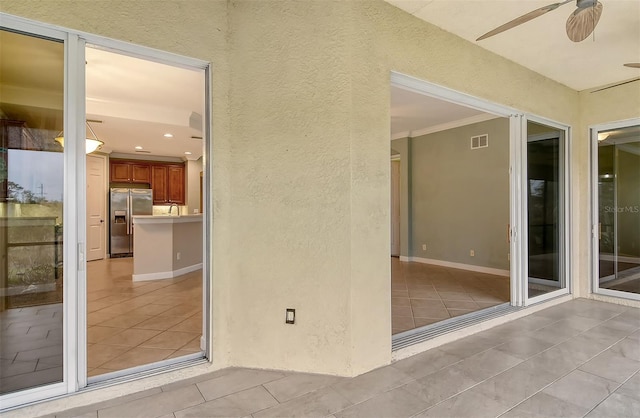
{"points": [[139, 194]]}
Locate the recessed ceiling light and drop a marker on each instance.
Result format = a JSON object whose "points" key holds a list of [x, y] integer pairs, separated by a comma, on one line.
{"points": [[187, 153], [168, 135], [138, 147]]}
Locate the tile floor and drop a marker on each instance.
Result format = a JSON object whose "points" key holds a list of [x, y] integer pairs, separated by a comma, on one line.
{"points": [[30, 347], [129, 324], [422, 294], [580, 358], [135, 323]]}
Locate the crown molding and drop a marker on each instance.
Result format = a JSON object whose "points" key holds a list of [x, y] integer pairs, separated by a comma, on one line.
{"points": [[445, 126]]}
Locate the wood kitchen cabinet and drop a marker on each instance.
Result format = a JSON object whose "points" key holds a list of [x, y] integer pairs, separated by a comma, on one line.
{"points": [[167, 182], [175, 184], [129, 171]]}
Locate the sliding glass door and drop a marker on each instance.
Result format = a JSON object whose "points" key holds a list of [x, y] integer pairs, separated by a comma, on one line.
{"points": [[546, 190], [616, 177], [43, 196], [31, 212]]}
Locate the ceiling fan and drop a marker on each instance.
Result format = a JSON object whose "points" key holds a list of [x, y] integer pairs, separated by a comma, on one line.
{"points": [[580, 23]]}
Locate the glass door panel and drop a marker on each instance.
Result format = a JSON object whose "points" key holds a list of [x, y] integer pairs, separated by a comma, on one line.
{"points": [[31, 211], [618, 188], [545, 189]]}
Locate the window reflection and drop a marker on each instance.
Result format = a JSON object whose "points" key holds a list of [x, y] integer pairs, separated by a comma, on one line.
{"points": [[31, 208]]}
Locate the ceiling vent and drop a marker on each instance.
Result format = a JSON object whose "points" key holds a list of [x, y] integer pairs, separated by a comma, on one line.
{"points": [[480, 141]]}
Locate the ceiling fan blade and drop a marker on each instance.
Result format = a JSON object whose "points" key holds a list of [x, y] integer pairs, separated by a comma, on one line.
{"points": [[523, 19], [633, 65], [583, 21]]}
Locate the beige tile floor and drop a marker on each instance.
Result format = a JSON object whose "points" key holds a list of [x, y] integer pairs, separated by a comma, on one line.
{"points": [[422, 294], [135, 323], [580, 358]]}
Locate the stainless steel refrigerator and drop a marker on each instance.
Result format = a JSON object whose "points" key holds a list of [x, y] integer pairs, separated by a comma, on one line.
{"points": [[125, 203]]}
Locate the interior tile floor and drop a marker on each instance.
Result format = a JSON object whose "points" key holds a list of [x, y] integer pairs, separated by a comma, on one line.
{"points": [[422, 294], [136, 323], [579, 358]]}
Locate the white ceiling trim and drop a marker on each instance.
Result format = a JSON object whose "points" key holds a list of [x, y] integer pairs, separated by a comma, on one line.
{"points": [[445, 126]]}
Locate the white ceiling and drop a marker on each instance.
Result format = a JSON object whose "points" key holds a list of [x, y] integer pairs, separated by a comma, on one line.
{"points": [[542, 44], [139, 101], [414, 114]]}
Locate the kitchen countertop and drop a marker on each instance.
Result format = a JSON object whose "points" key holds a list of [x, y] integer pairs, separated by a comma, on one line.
{"points": [[166, 219]]}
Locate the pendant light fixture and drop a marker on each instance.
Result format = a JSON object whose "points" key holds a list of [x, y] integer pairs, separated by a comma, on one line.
{"points": [[91, 144]]}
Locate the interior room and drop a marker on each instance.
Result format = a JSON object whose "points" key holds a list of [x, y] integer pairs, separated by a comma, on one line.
{"points": [[451, 256]]}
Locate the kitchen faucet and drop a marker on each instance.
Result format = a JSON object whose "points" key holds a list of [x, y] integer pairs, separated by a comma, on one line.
{"points": [[171, 207]]}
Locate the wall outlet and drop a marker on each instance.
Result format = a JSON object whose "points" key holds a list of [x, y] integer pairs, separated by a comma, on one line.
{"points": [[290, 316], [472, 253], [424, 247], [178, 256]]}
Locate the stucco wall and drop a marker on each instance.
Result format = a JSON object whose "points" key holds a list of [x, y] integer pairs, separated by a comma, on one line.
{"points": [[301, 157]]}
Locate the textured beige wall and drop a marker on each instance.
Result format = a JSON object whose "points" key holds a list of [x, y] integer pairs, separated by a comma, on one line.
{"points": [[301, 157]]}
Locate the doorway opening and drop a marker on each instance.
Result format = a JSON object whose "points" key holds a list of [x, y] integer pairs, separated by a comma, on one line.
{"points": [[145, 230], [450, 197]]}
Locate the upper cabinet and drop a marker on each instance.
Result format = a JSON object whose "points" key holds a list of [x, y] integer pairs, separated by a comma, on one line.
{"points": [[122, 171], [167, 180], [175, 184]]}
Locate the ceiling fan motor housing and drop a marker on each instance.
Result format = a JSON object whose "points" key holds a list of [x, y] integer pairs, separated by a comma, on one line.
{"points": [[583, 4]]}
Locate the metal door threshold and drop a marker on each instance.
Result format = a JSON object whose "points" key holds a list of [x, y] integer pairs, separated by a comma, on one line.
{"points": [[418, 335]]}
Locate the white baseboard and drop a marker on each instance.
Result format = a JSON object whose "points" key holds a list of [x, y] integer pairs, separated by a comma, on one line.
{"points": [[166, 274], [451, 264]]}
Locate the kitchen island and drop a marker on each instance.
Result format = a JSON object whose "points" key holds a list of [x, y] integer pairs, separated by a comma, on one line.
{"points": [[166, 246]]}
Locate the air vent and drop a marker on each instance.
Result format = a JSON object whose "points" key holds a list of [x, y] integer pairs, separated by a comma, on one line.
{"points": [[198, 138], [143, 151], [480, 141]]}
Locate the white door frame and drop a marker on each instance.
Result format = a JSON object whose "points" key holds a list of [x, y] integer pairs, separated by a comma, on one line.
{"points": [[74, 200], [595, 247]]}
